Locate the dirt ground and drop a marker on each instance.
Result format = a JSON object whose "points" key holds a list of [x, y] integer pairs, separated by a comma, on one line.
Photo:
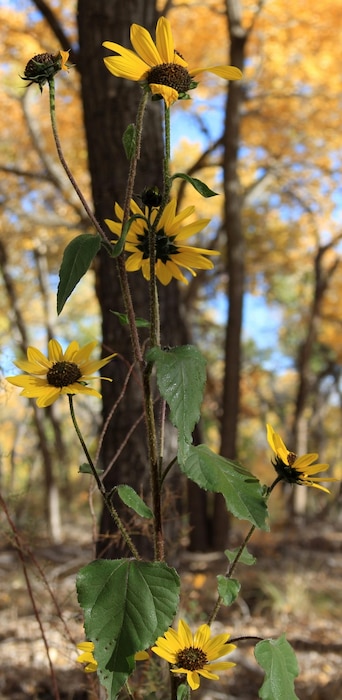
{"points": [[294, 588]]}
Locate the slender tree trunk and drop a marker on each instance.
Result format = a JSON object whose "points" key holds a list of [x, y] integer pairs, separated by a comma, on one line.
{"points": [[110, 105], [235, 262]]}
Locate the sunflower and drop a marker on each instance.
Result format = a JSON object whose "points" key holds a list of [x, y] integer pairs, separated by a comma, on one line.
{"points": [[192, 653], [87, 656], [293, 469], [158, 64], [171, 253], [59, 373], [44, 66]]}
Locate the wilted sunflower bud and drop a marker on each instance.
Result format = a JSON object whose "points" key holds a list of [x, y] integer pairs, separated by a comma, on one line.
{"points": [[44, 66], [151, 197]]}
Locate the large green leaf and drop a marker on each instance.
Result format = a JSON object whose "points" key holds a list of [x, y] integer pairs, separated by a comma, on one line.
{"points": [[277, 658], [181, 378], [241, 490], [228, 589], [127, 604], [77, 258]]}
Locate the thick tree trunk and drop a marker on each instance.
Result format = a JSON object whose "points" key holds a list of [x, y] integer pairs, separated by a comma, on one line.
{"points": [[110, 104], [235, 263]]}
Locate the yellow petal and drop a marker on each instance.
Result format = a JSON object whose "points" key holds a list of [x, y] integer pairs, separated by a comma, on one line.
{"points": [[128, 66], [55, 351], [164, 40], [168, 93], [226, 72], [144, 45]]}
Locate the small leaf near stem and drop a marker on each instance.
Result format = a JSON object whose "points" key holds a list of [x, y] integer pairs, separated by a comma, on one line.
{"points": [[233, 564], [113, 512]]}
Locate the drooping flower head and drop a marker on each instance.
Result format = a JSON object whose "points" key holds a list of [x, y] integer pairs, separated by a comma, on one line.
{"points": [[192, 654], [157, 64], [44, 66], [293, 469], [61, 372], [171, 251]]}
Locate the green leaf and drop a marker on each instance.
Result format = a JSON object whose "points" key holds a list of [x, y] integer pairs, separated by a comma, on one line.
{"points": [[228, 589], [127, 604], [85, 468], [129, 141], [241, 490], [123, 318], [77, 258], [244, 558], [199, 186], [277, 658], [181, 378], [117, 248], [130, 498], [183, 692]]}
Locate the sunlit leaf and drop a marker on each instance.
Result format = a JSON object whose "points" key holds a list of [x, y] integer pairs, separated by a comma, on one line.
{"points": [[228, 589], [127, 604], [181, 379], [277, 658], [241, 490]]}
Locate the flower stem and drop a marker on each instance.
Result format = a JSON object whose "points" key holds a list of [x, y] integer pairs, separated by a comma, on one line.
{"points": [[84, 202], [233, 564], [106, 497]]}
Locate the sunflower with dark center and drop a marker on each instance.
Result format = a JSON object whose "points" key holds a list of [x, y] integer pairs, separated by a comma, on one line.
{"points": [[67, 372], [294, 469], [158, 65], [170, 250], [193, 654]]}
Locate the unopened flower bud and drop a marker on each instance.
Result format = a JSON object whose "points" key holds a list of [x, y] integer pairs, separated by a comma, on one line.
{"points": [[151, 197]]}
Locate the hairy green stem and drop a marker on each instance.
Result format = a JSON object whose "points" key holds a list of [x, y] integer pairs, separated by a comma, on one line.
{"points": [[75, 186], [233, 564], [106, 497]]}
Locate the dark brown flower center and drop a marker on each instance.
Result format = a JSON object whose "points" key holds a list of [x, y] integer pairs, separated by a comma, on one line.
{"points": [[63, 374], [192, 658], [165, 247], [172, 75], [291, 458]]}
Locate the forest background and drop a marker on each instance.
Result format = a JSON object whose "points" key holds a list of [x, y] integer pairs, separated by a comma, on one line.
{"points": [[267, 318]]}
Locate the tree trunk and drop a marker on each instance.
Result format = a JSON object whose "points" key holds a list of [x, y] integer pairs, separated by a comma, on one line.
{"points": [[235, 263], [110, 105]]}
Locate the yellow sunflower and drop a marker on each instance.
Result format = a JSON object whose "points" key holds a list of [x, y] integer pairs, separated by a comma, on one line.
{"points": [[293, 469], [158, 64], [87, 656], [192, 654], [59, 373], [171, 252]]}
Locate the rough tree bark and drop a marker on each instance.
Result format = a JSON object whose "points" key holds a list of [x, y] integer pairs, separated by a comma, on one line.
{"points": [[235, 261], [110, 104]]}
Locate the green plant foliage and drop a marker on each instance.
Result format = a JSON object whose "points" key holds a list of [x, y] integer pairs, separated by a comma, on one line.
{"points": [[181, 379], [123, 319], [228, 589], [129, 140], [131, 499], [77, 258], [241, 490], [198, 185], [183, 692], [127, 604], [244, 558], [277, 658]]}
